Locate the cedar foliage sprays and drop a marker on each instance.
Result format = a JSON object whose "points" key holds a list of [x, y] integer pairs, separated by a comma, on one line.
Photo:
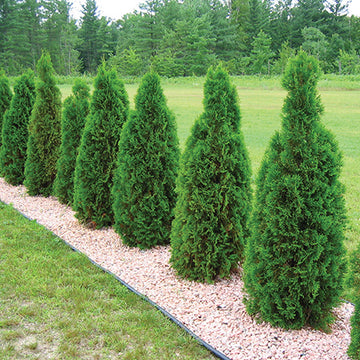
{"points": [[211, 215], [354, 348], [44, 132], [15, 130], [5, 98], [76, 109], [98, 150], [144, 187], [294, 263]]}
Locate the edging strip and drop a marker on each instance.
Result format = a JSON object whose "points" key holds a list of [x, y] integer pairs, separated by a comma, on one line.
{"points": [[129, 287]]}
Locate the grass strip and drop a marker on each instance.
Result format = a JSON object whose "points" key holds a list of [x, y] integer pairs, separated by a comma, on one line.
{"points": [[55, 304]]}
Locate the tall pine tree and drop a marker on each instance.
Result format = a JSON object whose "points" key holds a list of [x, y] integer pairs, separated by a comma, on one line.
{"points": [[44, 132], [15, 130], [76, 109], [98, 150], [294, 265], [211, 215], [144, 187]]}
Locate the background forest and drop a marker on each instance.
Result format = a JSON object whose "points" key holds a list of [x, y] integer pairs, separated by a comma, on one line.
{"points": [[180, 38]]}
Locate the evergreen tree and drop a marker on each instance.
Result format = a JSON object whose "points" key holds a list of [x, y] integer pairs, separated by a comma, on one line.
{"points": [[76, 109], [44, 132], [261, 54], [5, 98], [144, 186], [95, 37], [24, 36], [240, 16], [294, 265], [354, 348], [61, 36], [211, 215], [15, 130], [307, 13], [98, 150]]}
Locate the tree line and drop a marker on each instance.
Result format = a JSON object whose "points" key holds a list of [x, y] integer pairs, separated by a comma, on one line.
{"points": [[180, 38]]}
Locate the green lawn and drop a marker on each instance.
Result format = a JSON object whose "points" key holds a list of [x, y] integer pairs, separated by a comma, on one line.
{"points": [[55, 304], [261, 101]]}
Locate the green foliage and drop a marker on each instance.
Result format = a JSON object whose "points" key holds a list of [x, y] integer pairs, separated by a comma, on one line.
{"points": [[349, 62], [261, 54], [15, 130], [95, 37], [76, 109], [165, 64], [98, 150], [315, 44], [144, 186], [179, 37], [127, 63], [5, 98], [285, 53], [294, 265], [44, 132], [211, 215], [354, 348]]}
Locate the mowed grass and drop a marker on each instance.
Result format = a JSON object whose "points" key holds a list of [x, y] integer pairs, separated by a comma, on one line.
{"points": [[55, 304], [261, 101]]}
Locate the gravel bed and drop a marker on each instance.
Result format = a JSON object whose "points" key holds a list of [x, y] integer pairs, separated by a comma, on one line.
{"points": [[214, 312]]}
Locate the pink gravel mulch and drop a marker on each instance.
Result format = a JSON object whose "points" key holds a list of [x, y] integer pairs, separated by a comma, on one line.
{"points": [[214, 312]]}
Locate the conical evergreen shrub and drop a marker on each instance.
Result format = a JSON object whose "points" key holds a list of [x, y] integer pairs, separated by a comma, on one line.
{"points": [[5, 98], [214, 195], [15, 130], [294, 266], [76, 109], [354, 348], [96, 162], [44, 132], [144, 186]]}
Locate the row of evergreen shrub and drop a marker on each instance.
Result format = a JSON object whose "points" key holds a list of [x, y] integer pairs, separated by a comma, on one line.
{"points": [[117, 167]]}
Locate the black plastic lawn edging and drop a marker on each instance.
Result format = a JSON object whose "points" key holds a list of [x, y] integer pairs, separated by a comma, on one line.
{"points": [[129, 287]]}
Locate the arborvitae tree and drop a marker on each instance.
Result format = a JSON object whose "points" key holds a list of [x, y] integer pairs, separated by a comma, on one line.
{"points": [[211, 215], [5, 98], [96, 162], [44, 132], [144, 186], [294, 266], [15, 130], [76, 109], [354, 348]]}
